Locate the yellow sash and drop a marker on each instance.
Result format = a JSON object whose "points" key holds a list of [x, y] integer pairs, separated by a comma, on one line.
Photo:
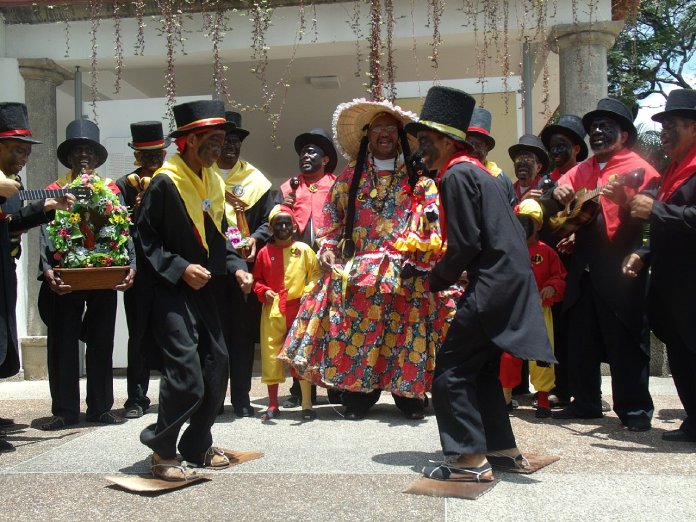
{"points": [[247, 183], [195, 190]]}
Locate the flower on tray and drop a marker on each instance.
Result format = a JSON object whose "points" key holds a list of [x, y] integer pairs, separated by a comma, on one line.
{"points": [[234, 236], [95, 232]]}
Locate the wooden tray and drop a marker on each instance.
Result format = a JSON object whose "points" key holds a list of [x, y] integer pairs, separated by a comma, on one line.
{"points": [[102, 278]]}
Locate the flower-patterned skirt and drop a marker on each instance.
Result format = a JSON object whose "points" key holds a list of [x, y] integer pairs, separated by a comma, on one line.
{"points": [[362, 338]]}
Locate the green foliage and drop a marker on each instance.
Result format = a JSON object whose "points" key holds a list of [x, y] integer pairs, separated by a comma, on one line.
{"points": [[653, 51]]}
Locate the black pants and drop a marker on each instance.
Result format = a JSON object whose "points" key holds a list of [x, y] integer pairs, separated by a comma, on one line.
{"points": [[240, 318], [467, 395], [596, 335], [89, 316], [137, 372], [682, 363], [194, 372]]}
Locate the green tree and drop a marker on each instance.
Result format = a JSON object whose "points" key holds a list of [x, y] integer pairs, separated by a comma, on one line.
{"points": [[653, 50]]}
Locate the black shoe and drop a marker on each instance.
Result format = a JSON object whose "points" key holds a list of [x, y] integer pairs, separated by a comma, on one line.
{"points": [[678, 436], [542, 413], [309, 415], [415, 414], [334, 396], [107, 418], [352, 414], [6, 423], [6, 447], [512, 405], [244, 411], [638, 426], [570, 413], [57, 423], [133, 412]]}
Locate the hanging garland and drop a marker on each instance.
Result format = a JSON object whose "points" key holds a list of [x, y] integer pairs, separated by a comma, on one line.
{"points": [[489, 20], [140, 17], [375, 68], [118, 47], [391, 67], [94, 88], [168, 28]]}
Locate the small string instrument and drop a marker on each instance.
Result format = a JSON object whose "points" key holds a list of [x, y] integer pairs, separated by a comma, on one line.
{"points": [[81, 193], [584, 208]]}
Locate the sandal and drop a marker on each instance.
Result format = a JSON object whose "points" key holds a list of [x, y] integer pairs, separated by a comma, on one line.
{"points": [[505, 462], [215, 458], [180, 472], [57, 423], [270, 413], [447, 471]]}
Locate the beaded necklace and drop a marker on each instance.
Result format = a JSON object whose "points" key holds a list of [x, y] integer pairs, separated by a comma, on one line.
{"points": [[379, 193]]}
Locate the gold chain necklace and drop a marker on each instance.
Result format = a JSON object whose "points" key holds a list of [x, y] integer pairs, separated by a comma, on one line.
{"points": [[378, 193]]}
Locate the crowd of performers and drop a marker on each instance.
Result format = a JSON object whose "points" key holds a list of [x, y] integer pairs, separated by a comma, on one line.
{"points": [[420, 268]]}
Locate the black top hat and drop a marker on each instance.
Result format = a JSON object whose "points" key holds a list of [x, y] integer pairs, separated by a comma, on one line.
{"points": [[570, 126], [321, 138], [148, 135], [79, 132], [480, 126], [200, 114], [445, 110], [533, 144], [617, 111], [236, 118], [680, 102], [14, 122]]}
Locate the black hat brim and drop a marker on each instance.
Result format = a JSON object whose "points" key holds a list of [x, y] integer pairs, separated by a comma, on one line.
{"points": [[623, 122], [242, 133], [25, 139], [64, 149], [167, 143], [552, 129], [485, 137], [326, 145], [227, 127], [682, 113], [539, 152], [414, 127]]}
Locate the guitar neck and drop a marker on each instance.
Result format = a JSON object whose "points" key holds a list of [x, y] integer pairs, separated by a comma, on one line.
{"points": [[26, 195]]}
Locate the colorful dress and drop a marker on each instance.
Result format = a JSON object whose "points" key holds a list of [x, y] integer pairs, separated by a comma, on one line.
{"points": [[363, 326]]}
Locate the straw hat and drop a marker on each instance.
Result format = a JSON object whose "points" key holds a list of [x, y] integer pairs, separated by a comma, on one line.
{"points": [[350, 121]]}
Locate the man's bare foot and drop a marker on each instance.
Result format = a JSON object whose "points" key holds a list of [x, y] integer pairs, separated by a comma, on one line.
{"points": [[172, 470]]}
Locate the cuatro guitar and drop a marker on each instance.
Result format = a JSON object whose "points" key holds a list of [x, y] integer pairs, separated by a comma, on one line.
{"points": [[584, 208]]}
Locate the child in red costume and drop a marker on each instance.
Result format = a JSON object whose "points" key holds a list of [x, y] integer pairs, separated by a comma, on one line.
{"points": [[284, 271], [549, 274]]}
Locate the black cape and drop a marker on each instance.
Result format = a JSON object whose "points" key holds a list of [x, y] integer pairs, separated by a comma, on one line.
{"points": [[486, 239]]}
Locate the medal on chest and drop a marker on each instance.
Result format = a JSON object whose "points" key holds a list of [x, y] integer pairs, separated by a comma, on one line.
{"points": [[313, 188], [238, 190], [206, 205]]}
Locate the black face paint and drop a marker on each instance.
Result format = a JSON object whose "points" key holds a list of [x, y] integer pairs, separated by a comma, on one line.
{"points": [[427, 150], [479, 148], [603, 134], [282, 227], [311, 159], [527, 224], [525, 166], [561, 149]]}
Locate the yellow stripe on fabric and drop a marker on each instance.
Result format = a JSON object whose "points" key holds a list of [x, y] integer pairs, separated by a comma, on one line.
{"points": [[444, 128], [194, 189]]}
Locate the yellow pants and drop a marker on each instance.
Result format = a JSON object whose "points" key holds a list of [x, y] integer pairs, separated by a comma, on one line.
{"points": [[273, 330], [543, 377]]}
